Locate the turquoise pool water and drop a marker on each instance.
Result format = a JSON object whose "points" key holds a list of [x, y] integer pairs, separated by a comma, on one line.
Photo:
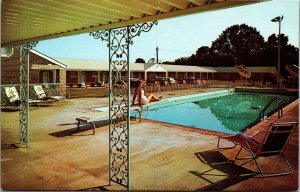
{"points": [[229, 114]]}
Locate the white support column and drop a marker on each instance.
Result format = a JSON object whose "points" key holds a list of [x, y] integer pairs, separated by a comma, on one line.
{"points": [[54, 76], [79, 77], [145, 75], [98, 76], [131, 74]]}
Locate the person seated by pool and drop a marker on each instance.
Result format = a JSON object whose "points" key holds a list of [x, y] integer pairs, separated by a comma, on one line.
{"points": [[140, 94]]}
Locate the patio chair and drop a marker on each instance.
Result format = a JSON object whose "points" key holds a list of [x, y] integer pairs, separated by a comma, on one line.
{"points": [[199, 83], [273, 144], [12, 95], [206, 83], [62, 93], [43, 96], [185, 84], [166, 85], [14, 98]]}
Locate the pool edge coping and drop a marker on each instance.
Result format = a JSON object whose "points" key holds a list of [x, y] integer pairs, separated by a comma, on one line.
{"points": [[251, 131]]}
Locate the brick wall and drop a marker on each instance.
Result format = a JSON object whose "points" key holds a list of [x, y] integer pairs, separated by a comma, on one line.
{"points": [[10, 70]]}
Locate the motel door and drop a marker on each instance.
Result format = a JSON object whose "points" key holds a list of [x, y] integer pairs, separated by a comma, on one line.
{"points": [[83, 78], [104, 77]]}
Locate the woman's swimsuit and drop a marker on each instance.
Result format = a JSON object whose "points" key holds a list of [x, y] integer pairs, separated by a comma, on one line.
{"points": [[144, 99]]}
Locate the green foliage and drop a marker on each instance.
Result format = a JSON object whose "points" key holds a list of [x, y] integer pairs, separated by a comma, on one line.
{"points": [[140, 60], [243, 44]]}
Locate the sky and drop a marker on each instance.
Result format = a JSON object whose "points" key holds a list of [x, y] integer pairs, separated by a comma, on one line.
{"points": [[182, 36]]}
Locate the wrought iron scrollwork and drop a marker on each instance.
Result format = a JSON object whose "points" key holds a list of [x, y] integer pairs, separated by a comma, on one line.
{"points": [[135, 30], [24, 90], [119, 41]]}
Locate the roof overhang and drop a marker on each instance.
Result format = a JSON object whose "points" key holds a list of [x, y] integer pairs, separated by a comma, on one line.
{"points": [[33, 20], [61, 65], [45, 67]]}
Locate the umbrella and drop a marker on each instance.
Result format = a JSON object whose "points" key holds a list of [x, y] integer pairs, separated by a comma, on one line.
{"points": [[243, 71]]}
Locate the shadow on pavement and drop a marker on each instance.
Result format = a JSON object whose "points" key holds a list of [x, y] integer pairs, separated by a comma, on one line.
{"points": [[222, 173], [75, 131]]}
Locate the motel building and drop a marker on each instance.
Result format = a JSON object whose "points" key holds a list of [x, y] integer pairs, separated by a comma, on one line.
{"points": [[82, 72], [42, 69]]}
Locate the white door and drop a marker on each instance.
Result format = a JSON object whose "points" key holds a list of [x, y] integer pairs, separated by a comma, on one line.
{"points": [[104, 77], [82, 78]]}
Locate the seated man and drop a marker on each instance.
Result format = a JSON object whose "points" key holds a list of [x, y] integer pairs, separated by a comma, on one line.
{"points": [[140, 94]]}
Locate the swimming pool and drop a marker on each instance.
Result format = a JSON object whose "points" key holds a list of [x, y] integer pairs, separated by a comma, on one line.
{"points": [[228, 113]]}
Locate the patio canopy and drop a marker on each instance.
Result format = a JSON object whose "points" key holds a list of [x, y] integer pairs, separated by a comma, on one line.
{"points": [[33, 20]]}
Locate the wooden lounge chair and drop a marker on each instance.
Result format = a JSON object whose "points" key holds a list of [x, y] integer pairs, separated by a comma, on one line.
{"points": [[273, 144]]}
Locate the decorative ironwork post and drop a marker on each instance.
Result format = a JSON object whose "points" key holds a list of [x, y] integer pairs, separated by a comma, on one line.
{"points": [[118, 42], [24, 90]]}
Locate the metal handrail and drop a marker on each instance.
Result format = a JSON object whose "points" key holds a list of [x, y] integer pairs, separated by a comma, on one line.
{"points": [[231, 85], [279, 107]]}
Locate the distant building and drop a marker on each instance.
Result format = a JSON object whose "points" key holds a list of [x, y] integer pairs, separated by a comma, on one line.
{"points": [[72, 72]]}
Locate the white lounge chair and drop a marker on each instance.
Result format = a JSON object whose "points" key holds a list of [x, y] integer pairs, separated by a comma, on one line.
{"points": [[43, 96], [14, 98]]}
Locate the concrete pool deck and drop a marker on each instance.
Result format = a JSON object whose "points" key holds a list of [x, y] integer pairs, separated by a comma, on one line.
{"points": [[163, 156]]}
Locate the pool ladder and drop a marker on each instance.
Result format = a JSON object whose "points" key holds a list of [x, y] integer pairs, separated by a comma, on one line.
{"points": [[231, 85], [279, 108]]}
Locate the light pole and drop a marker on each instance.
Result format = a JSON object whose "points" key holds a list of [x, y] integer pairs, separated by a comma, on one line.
{"points": [[278, 19]]}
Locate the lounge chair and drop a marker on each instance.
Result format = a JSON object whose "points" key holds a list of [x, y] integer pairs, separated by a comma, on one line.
{"points": [[181, 85], [43, 96], [12, 95], [14, 98], [273, 144], [157, 85], [166, 85], [200, 83]]}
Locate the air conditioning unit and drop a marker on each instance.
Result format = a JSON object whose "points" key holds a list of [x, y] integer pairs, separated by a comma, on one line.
{"points": [[7, 51]]}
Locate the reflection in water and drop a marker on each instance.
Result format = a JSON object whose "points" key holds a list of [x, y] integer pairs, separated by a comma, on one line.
{"points": [[239, 110]]}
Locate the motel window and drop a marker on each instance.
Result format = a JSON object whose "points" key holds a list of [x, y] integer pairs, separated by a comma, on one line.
{"points": [[45, 76], [94, 74]]}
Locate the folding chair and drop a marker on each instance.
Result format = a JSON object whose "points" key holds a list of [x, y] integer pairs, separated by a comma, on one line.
{"points": [[273, 144]]}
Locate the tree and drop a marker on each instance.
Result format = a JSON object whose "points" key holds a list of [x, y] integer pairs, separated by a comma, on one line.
{"points": [[140, 60], [240, 44], [289, 54]]}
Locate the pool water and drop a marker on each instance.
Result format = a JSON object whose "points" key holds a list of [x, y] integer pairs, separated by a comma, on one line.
{"points": [[228, 114]]}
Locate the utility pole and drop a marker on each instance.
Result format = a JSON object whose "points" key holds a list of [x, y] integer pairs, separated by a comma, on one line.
{"points": [[278, 19], [156, 54]]}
